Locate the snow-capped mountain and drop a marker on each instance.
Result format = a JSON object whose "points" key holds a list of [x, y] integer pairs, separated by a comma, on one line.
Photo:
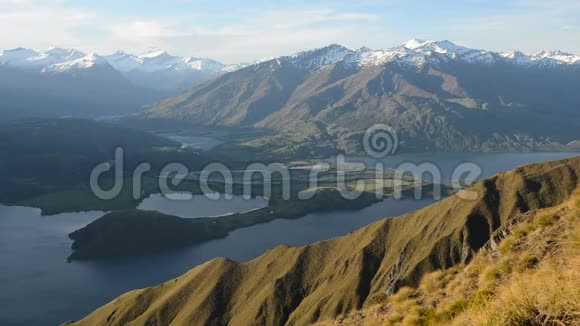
{"points": [[437, 95], [158, 60], [418, 52], [557, 55], [58, 82], [50, 77], [85, 62], [433, 51], [31, 59], [151, 61], [320, 57], [155, 69]]}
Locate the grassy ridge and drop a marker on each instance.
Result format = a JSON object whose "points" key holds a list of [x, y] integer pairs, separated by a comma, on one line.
{"points": [[528, 274], [298, 286]]}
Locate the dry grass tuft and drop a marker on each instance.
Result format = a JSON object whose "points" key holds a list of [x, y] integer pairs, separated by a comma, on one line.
{"points": [[546, 219]]}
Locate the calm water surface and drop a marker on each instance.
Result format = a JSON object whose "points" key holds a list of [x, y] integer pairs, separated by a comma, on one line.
{"points": [[186, 206], [38, 287], [193, 142], [490, 163]]}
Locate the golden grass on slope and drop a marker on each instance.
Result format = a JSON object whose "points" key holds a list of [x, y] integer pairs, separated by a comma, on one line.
{"points": [[299, 286], [533, 278]]}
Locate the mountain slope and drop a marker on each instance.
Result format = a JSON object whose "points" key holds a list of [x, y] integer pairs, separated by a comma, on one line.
{"points": [[528, 274], [45, 156], [157, 69], [57, 82], [87, 89], [297, 286], [437, 95]]}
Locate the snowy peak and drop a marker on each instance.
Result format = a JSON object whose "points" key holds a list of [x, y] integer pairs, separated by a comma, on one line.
{"points": [[331, 52], [156, 60], [517, 57], [64, 54], [203, 64], [443, 47], [415, 52], [418, 52], [158, 69], [123, 62], [440, 51], [151, 61], [87, 62], [154, 69], [319, 57], [154, 53], [237, 66], [31, 59], [367, 57], [455, 52], [558, 56], [55, 56], [16, 55]]}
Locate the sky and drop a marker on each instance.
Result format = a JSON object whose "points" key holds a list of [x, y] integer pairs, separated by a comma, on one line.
{"points": [[243, 31]]}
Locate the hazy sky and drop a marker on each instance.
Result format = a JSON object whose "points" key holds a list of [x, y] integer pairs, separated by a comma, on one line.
{"points": [[234, 31]]}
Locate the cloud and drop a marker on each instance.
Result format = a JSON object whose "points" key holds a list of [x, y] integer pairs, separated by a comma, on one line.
{"points": [[305, 18], [41, 28], [253, 35], [274, 33], [550, 5], [142, 30], [31, 2], [529, 26], [254, 30], [483, 24]]}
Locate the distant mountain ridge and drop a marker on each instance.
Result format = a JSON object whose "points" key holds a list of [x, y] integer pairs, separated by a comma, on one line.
{"points": [[57, 82], [155, 60], [437, 95], [427, 51], [154, 69]]}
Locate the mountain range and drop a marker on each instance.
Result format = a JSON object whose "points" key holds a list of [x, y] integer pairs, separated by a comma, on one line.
{"points": [[154, 69], [435, 94], [60, 81]]}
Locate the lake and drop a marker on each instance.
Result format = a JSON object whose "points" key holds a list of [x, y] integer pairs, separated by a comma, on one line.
{"points": [[38, 287], [490, 163], [193, 142], [187, 206]]}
